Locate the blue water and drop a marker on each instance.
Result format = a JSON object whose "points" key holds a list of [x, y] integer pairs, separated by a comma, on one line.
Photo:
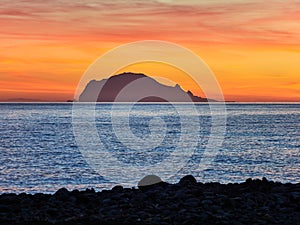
{"points": [[39, 151]]}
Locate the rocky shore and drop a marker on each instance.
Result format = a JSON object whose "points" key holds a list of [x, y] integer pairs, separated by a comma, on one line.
{"points": [[188, 202]]}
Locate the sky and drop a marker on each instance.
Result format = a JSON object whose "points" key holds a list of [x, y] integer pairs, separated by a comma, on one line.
{"points": [[252, 46]]}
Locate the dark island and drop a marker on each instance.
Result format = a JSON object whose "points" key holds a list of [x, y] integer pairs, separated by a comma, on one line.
{"points": [[187, 202], [140, 87]]}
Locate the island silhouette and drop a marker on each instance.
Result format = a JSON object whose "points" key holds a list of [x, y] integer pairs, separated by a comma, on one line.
{"points": [[130, 87]]}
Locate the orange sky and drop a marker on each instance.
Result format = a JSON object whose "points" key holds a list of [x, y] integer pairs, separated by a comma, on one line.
{"points": [[252, 47]]}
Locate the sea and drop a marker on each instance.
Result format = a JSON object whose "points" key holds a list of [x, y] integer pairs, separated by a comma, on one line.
{"points": [[47, 146]]}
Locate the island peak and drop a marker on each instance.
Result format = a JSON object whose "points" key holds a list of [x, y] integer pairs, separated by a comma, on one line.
{"points": [[132, 87]]}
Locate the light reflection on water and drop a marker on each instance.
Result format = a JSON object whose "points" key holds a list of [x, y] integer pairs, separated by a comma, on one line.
{"points": [[38, 152]]}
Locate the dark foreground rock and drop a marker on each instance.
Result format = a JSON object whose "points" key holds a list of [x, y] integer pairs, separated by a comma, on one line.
{"points": [[188, 202]]}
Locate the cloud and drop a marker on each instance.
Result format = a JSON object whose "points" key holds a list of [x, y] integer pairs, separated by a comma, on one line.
{"points": [[180, 21]]}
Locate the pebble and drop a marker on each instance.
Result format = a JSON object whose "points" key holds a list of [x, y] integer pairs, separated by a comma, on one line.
{"points": [[188, 202], [189, 179], [149, 180]]}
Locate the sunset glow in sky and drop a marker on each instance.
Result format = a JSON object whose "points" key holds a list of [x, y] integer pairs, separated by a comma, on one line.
{"points": [[252, 47]]}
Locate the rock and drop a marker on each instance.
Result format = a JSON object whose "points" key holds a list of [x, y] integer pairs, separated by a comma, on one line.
{"points": [[92, 190], [249, 181], [62, 194], [117, 188], [206, 202], [107, 201], [4, 208], [149, 180], [180, 194], [189, 179], [191, 203]]}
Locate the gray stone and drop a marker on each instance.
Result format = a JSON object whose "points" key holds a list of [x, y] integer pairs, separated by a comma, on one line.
{"points": [[149, 180]]}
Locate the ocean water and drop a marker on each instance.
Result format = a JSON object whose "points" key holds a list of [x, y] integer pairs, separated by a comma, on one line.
{"points": [[40, 151]]}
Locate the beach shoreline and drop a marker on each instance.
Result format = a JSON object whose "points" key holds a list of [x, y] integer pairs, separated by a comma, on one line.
{"points": [[187, 202]]}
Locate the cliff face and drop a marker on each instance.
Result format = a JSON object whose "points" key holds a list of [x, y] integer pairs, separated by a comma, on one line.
{"points": [[133, 87]]}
